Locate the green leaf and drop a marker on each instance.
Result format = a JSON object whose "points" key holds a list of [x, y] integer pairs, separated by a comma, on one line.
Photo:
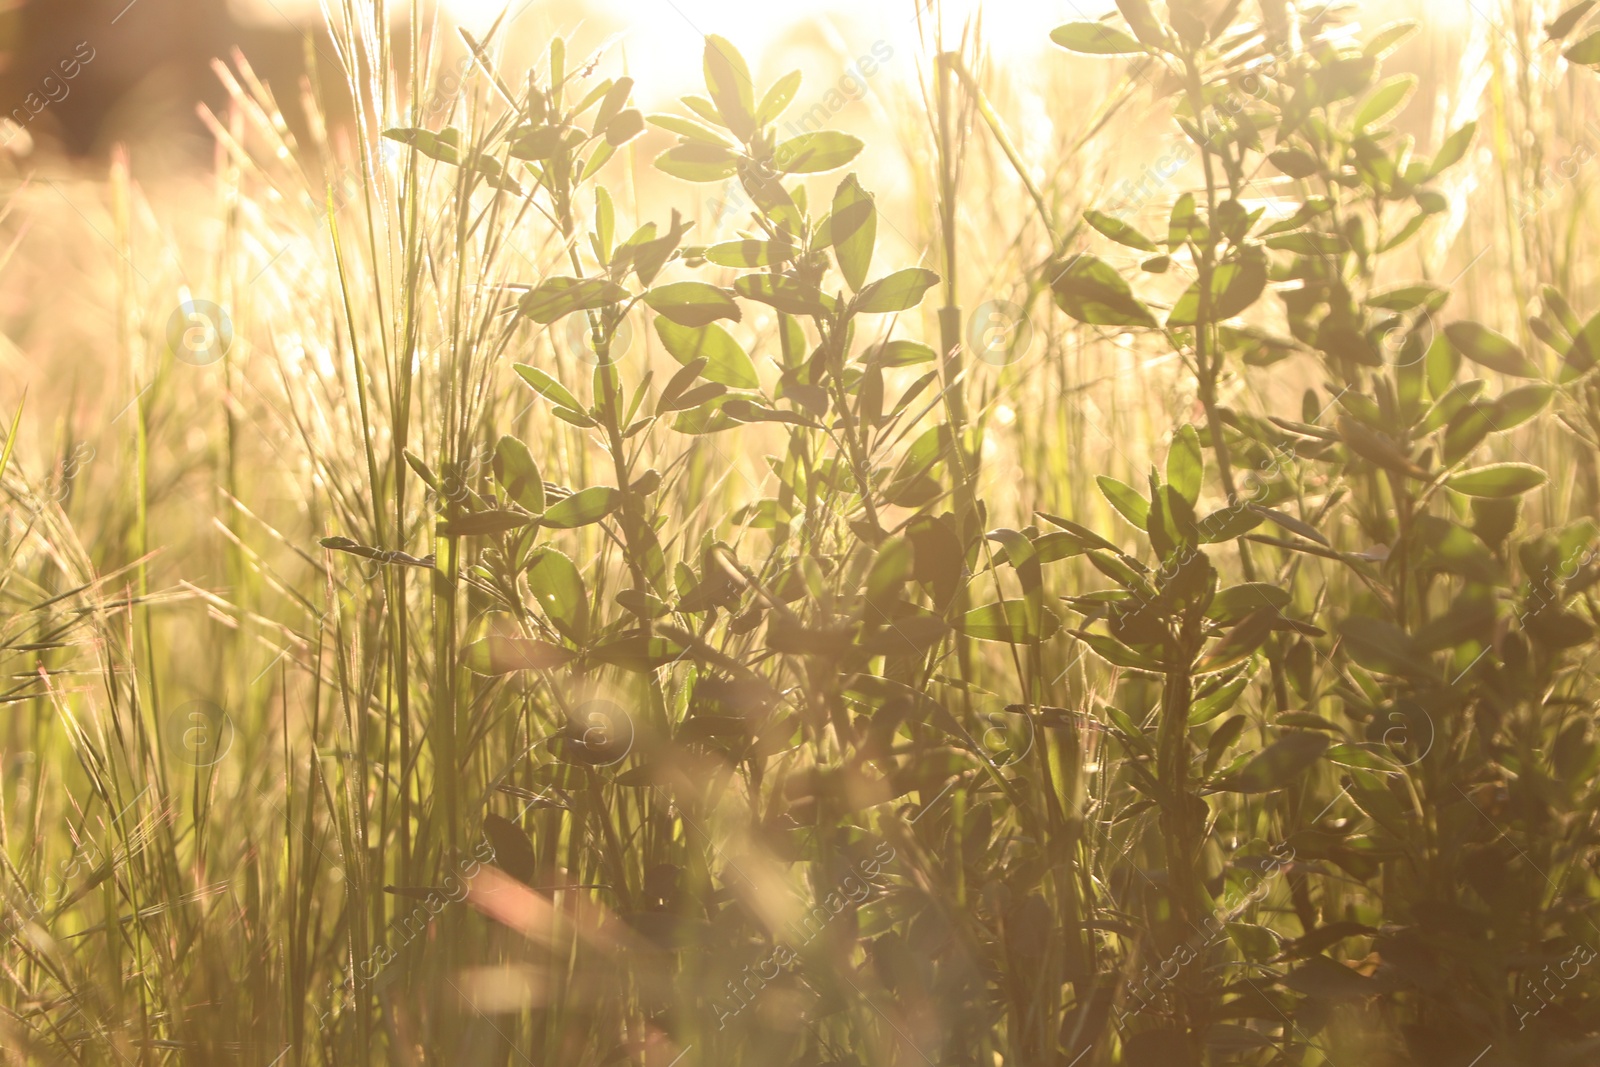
{"points": [[1234, 287], [634, 651], [418, 466], [1388, 39], [613, 100], [1517, 406], [705, 417], [583, 507], [1227, 523], [445, 146], [1378, 448], [777, 98], [1497, 480], [728, 81], [502, 655], [537, 143], [1382, 646], [1095, 39], [892, 567], [1308, 243], [691, 398], [1366, 756], [1311, 209], [1584, 353], [574, 416], [1453, 150], [518, 474], [786, 294], [1295, 162], [625, 127], [898, 353], [1241, 642], [814, 153], [557, 585], [1008, 621], [513, 850], [1085, 536], [699, 162], [1221, 740], [1280, 764], [1216, 700], [1466, 431], [1119, 231], [1410, 297], [1171, 524], [679, 384], [1185, 465], [1487, 348], [1447, 545], [705, 109], [749, 253], [1556, 306], [642, 604], [1118, 654], [1386, 99], [1233, 604], [605, 222], [854, 231], [1126, 499], [480, 523], [1326, 979], [726, 361], [548, 387], [898, 292], [1142, 18], [690, 130], [692, 304], [1289, 522], [1586, 51], [1184, 225], [557, 297], [1020, 554], [1568, 20], [746, 410], [1091, 291], [1455, 398]]}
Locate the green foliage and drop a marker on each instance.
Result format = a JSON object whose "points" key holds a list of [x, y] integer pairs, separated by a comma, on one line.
{"points": [[1270, 747]]}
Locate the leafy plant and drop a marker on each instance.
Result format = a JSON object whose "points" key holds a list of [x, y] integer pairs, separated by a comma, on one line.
{"points": [[713, 657]]}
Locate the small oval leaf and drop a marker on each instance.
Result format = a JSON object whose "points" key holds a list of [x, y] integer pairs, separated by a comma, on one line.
{"points": [[1497, 480]]}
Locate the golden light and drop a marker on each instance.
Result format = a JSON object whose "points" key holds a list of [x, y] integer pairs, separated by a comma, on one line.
{"points": [[822, 37]]}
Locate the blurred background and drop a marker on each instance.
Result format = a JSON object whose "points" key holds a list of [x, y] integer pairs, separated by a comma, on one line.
{"points": [[85, 84], [143, 65]]}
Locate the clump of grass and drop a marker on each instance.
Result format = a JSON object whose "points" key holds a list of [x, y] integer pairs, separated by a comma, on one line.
{"points": [[629, 643]]}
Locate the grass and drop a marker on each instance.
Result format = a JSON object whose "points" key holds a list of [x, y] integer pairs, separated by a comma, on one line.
{"points": [[727, 659]]}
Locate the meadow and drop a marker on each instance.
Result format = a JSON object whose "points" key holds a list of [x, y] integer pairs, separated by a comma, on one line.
{"points": [[497, 572]]}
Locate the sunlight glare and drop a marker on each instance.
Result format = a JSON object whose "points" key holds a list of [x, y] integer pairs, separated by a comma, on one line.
{"points": [[656, 34]]}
